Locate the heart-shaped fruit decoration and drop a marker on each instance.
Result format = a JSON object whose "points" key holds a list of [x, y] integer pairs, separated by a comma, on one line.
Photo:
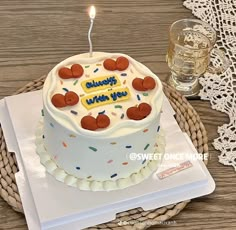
{"points": [[58, 100], [148, 83], [140, 112], [121, 64], [69, 99], [103, 121], [76, 71], [91, 123], [109, 64]]}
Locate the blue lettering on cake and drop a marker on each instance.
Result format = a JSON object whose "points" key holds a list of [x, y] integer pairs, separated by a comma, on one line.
{"points": [[89, 85], [118, 94], [109, 81], [105, 82], [97, 99]]}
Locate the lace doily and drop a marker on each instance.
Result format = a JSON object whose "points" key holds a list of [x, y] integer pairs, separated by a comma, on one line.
{"points": [[220, 89]]}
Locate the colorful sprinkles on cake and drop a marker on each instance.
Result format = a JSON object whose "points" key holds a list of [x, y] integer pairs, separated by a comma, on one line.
{"points": [[145, 94], [93, 148], [113, 143], [118, 106], [145, 130], [65, 89], [72, 135], [123, 74], [87, 66], [158, 128], [144, 161], [102, 112], [124, 163], [74, 112], [78, 168], [128, 146], [138, 97], [96, 70], [110, 161], [51, 124], [64, 144], [98, 64], [61, 82], [124, 82], [114, 114], [43, 136], [87, 75], [122, 116], [89, 177], [113, 175], [42, 112], [147, 145], [75, 83]]}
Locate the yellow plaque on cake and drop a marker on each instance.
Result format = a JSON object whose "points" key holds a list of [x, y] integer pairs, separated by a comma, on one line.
{"points": [[103, 98], [100, 83]]}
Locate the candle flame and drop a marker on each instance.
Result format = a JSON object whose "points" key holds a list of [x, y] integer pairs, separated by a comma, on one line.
{"points": [[92, 12]]}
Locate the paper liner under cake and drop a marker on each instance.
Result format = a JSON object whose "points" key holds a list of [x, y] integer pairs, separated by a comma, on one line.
{"points": [[93, 185]]}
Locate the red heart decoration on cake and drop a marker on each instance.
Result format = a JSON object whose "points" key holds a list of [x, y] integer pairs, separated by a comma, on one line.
{"points": [[140, 112], [134, 113], [137, 84], [144, 109], [103, 121], [71, 98], [65, 73], [76, 71], [58, 100], [121, 64], [89, 122], [109, 64], [145, 84], [149, 83]]}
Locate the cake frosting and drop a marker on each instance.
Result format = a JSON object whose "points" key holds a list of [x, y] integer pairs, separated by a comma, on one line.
{"points": [[97, 111]]}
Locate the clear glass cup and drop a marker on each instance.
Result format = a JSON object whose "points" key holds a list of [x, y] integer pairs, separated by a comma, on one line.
{"points": [[191, 43]]}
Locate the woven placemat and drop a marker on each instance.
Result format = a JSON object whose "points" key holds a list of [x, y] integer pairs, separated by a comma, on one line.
{"points": [[188, 120]]}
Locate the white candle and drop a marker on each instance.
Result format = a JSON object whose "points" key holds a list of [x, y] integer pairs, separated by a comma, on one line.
{"points": [[92, 14]]}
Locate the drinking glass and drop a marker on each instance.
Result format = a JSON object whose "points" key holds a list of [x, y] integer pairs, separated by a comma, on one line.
{"points": [[191, 43]]}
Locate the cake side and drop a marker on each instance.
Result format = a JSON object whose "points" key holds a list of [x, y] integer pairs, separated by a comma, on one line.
{"points": [[134, 178]]}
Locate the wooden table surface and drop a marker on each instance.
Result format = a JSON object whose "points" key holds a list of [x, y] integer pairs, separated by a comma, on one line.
{"points": [[35, 35]]}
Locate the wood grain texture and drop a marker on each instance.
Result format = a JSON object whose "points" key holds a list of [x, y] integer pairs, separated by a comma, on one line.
{"points": [[35, 35]]}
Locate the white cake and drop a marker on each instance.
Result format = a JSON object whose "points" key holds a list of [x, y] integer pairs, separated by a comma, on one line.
{"points": [[92, 121]]}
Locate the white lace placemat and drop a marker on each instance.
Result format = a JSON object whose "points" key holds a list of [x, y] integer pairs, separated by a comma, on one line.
{"points": [[220, 90]]}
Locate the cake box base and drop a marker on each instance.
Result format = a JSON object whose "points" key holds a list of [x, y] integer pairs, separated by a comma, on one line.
{"points": [[50, 204]]}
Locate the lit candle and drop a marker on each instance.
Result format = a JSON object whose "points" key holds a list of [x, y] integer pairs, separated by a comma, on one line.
{"points": [[92, 14]]}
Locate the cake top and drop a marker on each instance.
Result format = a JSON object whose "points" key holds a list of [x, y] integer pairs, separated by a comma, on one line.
{"points": [[102, 95]]}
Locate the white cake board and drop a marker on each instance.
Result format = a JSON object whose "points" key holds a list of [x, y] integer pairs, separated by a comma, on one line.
{"points": [[49, 204]]}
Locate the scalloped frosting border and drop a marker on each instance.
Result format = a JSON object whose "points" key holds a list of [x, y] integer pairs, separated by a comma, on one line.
{"points": [[92, 185]]}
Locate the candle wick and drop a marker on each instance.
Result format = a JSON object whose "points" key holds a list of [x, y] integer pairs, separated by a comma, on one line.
{"points": [[89, 38]]}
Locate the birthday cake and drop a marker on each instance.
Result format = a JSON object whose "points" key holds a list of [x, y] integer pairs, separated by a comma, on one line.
{"points": [[100, 114]]}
